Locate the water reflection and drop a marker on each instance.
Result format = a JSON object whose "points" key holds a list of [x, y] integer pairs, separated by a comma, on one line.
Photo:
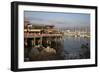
{"points": [[76, 48]]}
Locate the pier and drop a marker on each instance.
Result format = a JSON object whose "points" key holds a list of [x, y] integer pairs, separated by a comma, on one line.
{"points": [[41, 42]]}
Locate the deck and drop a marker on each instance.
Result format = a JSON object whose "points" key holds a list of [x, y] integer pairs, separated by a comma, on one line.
{"points": [[31, 35]]}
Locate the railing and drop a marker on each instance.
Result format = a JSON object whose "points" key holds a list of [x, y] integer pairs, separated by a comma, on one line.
{"points": [[31, 35]]}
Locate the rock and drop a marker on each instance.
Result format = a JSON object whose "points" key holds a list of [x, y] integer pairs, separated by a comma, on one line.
{"points": [[50, 50], [45, 54]]}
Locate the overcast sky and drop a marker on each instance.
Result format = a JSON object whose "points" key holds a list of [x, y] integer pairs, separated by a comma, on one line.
{"points": [[58, 19]]}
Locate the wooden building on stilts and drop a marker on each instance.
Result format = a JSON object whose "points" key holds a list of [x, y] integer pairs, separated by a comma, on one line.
{"points": [[47, 39]]}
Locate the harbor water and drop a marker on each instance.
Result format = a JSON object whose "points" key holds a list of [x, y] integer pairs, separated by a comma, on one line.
{"points": [[74, 47]]}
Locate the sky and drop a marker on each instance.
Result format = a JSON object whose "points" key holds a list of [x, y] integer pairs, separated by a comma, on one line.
{"points": [[58, 19]]}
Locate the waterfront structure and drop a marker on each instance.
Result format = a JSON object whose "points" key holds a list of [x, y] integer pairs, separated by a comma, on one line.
{"points": [[43, 37], [38, 31]]}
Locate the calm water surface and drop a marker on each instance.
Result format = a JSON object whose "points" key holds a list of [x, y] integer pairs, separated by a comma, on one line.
{"points": [[72, 46]]}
